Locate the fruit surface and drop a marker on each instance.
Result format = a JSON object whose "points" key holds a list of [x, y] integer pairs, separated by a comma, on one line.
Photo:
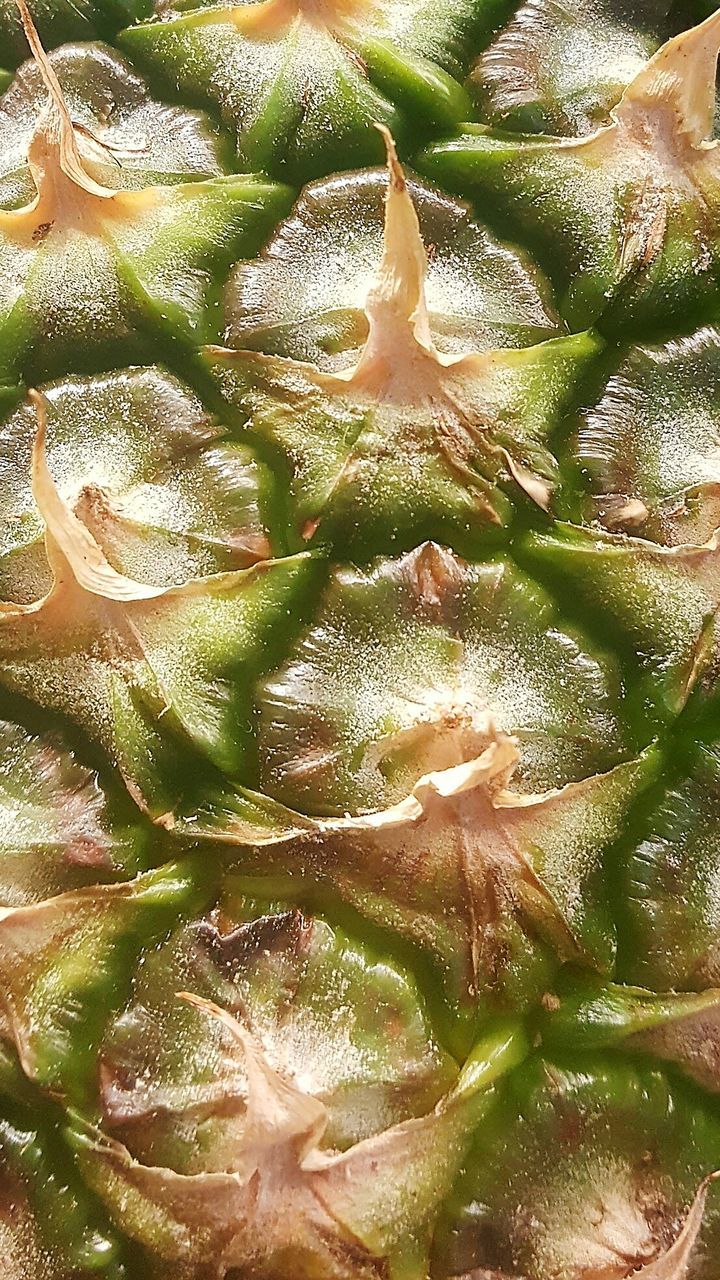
{"points": [[359, 642]]}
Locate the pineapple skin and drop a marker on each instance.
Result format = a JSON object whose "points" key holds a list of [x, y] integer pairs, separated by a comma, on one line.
{"points": [[359, 537]]}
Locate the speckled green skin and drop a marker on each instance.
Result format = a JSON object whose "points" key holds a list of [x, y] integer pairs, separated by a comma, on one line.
{"points": [[509, 1013]]}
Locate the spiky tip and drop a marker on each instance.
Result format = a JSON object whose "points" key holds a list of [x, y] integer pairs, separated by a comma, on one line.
{"points": [[69, 542], [55, 142], [680, 79]]}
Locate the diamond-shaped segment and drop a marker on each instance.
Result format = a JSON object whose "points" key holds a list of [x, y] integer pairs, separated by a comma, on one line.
{"points": [[50, 1227], [602, 1168], [624, 218], [408, 440], [649, 446], [136, 455], [83, 266], [284, 1198], [149, 672], [681, 1028], [61, 20], [497, 886], [59, 829], [670, 883], [305, 296], [663, 601], [64, 961], [399, 670], [174, 1086], [301, 83], [559, 66]]}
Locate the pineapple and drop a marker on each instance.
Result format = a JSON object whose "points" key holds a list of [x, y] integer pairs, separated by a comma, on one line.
{"points": [[359, 653]]}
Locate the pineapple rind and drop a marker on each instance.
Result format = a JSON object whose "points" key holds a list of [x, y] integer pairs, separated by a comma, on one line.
{"points": [[475, 945]]}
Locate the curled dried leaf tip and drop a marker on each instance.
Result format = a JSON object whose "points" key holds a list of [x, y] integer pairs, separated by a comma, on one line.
{"points": [[278, 1112], [674, 1264], [395, 305], [54, 154], [69, 543], [429, 403], [679, 80]]}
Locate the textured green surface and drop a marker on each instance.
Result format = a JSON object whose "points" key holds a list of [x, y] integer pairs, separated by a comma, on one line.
{"points": [[388, 733]]}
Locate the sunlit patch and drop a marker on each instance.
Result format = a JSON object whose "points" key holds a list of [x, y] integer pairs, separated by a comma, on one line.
{"points": [[97, 637], [631, 202], [300, 82], [85, 266]]}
